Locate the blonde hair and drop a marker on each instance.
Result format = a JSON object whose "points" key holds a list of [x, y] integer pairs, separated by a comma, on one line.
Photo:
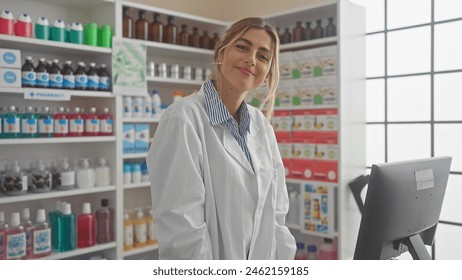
{"points": [[235, 32]]}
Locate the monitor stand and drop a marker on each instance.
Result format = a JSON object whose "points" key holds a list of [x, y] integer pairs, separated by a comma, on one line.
{"points": [[416, 247]]}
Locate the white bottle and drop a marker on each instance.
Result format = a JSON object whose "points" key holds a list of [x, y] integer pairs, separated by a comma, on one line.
{"points": [[136, 172], [156, 104], [147, 103], [137, 107], [66, 176], [128, 113], [86, 176], [103, 174]]}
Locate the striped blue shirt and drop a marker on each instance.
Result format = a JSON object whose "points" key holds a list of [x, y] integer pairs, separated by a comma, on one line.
{"points": [[218, 114]]}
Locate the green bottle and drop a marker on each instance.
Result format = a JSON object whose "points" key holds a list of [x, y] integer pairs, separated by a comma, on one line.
{"points": [[29, 123], [67, 230], [11, 124], [2, 117]]}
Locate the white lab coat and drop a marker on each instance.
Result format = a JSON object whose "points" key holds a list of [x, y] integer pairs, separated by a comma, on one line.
{"points": [[202, 185]]}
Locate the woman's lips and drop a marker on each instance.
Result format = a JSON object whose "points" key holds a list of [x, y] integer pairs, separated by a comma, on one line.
{"points": [[246, 71]]}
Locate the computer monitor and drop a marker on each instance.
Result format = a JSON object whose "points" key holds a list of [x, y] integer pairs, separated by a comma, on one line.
{"points": [[402, 208]]}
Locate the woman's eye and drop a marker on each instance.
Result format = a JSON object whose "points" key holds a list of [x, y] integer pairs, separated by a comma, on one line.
{"points": [[264, 58], [241, 47]]}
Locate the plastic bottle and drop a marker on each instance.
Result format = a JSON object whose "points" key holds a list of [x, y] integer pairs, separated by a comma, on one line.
{"points": [[156, 104], [297, 32], [327, 250], [3, 112], [53, 217], [60, 123], [29, 124], [300, 253], [103, 174], [27, 224], [7, 22], [68, 75], [128, 107], [86, 227], [331, 29], [104, 79], [128, 232], [45, 123], [137, 107], [104, 223], [14, 180], [15, 239], [92, 77], [66, 176], [81, 79], [144, 172], [12, 124], [140, 230], [76, 123], [136, 172], [151, 237], [127, 173], [127, 23], [28, 76], [42, 79], [171, 31], [67, 233], [85, 176], [92, 125], [183, 36], [41, 236], [156, 29], [312, 252], [195, 38], [56, 75], [147, 103], [141, 26], [3, 229], [105, 123], [40, 178]]}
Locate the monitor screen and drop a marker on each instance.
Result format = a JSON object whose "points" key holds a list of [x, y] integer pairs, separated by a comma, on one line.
{"points": [[402, 208]]}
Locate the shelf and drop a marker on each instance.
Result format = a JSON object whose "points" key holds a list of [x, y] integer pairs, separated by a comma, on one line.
{"points": [[309, 44], [79, 252], [11, 90], [137, 185], [47, 46], [314, 107], [57, 140], [67, 92], [140, 120], [54, 194], [174, 82], [135, 155], [137, 251], [81, 4]]}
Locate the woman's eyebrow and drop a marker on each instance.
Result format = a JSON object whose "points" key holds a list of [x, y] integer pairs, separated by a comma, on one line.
{"points": [[248, 42]]}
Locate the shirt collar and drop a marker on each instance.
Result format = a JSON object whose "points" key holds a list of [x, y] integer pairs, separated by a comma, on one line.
{"points": [[217, 111]]}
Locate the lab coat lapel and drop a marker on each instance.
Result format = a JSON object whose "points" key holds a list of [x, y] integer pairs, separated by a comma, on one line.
{"points": [[233, 148]]}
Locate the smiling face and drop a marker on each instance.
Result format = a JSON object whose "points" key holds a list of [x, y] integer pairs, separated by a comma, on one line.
{"points": [[246, 62]]}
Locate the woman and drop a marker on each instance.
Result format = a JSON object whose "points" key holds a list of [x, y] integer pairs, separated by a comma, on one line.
{"points": [[218, 182]]}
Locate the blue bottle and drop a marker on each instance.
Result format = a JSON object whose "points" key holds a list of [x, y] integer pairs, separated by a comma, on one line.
{"points": [[29, 123], [67, 230], [45, 123]]}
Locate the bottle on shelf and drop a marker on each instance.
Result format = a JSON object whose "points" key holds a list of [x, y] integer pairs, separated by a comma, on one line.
{"points": [[147, 103], [311, 252], [92, 77], [318, 30], [300, 253], [105, 123], [61, 123], [104, 223], [183, 36], [76, 123], [3, 112], [327, 250], [66, 176], [286, 37], [309, 32], [171, 31], [127, 29], [41, 236], [86, 227], [128, 107], [104, 78], [67, 229], [56, 75], [141, 26], [85, 175], [29, 123], [140, 229], [297, 32], [137, 107], [81, 78], [205, 40], [14, 180], [215, 40], [42, 77], [128, 232], [48, 66], [68, 75], [156, 29], [11, 124], [23, 26], [195, 38], [3, 228], [127, 171], [144, 172], [45, 123], [27, 224], [7, 22], [136, 172], [92, 125], [151, 237], [53, 217], [331, 29], [40, 178], [102, 174], [28, 76], [15, 237]]}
